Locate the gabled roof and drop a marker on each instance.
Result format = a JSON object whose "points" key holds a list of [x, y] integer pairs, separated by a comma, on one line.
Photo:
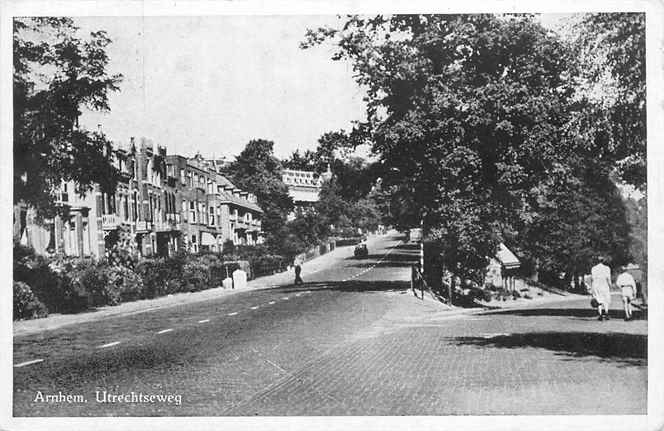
{"points": [[227, 197], [506, 257]]}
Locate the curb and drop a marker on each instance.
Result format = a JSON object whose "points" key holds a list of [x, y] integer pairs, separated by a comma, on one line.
{"points": [[457, 311], [35, 326]]}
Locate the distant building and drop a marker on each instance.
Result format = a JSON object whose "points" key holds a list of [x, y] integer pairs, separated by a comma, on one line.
{"points": [[213, 209], [501, 269], [163, 203], [304, 186]]}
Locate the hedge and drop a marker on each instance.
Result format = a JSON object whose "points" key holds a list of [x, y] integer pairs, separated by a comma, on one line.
{"points": [[26, 304], [69, 284]]}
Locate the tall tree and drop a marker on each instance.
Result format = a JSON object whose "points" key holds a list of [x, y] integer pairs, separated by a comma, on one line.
{"points": [[56, 75], [467, 113], [612, 50], [258, 171], [475, 118], [577, 218], [301, 161]]}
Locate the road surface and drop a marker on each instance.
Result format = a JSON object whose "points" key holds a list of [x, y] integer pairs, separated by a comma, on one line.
{"points": [[351, 341]]}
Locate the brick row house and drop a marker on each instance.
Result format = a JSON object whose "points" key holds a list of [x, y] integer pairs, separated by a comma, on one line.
{"points": [[162, 204]]}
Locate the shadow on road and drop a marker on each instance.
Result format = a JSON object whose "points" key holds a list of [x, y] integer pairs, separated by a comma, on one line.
{"points": [[395, 259], [351, 286], [407, 246], [586, 313], [626, 349]]}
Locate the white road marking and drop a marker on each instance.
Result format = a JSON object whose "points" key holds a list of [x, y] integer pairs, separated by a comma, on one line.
{"points": [[254, 307], [163, 331], [285, 298], [275, 365], [298, 294], [308, 291], [23, 364], [114, 343], [271, 302], [232, 314], [204, 321], [502, 334]]}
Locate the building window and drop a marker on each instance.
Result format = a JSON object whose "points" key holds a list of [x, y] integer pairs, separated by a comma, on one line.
{"points": [[192, 211], [184, 209], [182, 178], [211, 215], [134, 205]]}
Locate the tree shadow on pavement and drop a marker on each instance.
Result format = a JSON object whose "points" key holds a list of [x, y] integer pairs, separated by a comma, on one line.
{"points": [[384, 260], [626, 349], [586, 313], [351, 286], [407, 246]]}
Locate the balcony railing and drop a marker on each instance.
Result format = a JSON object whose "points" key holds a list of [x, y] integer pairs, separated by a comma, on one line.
{"points": [[110, 221]]}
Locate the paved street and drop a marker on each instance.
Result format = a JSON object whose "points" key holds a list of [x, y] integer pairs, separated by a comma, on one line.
{"points": [[351, 341]]}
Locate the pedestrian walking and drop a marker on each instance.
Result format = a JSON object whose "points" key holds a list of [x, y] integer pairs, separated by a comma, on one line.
{"points": [[601, 287], [298, 271], [627, 286]]}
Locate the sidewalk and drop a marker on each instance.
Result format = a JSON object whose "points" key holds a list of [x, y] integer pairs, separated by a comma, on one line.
{"points": [[499, 306], [54, 321]]}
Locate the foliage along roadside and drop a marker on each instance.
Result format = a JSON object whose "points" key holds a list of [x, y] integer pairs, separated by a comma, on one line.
{"points": [[61, 284]]}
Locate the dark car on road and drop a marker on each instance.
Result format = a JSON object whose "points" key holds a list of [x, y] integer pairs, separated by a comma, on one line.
{"points": [[361, 250]]}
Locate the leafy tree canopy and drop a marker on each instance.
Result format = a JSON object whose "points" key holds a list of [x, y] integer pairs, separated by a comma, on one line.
{"points": [[465, 111], [472, 115], [611, 48], [258, 171], [56, 75]]}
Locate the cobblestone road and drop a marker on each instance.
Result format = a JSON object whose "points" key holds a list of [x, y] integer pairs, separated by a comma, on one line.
{"points": [[553, 360]]}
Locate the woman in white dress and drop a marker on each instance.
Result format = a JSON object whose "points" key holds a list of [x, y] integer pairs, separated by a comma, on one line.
{"points": [[601, 287]]}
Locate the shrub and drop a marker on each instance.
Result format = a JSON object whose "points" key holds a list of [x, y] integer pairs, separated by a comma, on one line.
{"points": [[217, 274], [125, 282], [22, 251], [195, 276], [51, 281], [94, 280], [268, 264], [26, 304], [207, 259], [161, 276]]}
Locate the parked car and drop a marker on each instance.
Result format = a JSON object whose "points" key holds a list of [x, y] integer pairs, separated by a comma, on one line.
{"points": [[361, 250]]}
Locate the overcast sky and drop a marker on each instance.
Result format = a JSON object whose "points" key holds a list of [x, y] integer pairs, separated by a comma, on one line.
{"points": [[211, 84]]}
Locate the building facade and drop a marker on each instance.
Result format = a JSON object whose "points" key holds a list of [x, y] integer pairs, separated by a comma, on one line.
{"points": [[162, 204], [304, 186]]}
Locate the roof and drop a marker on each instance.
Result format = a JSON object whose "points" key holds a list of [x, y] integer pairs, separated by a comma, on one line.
{"points": [[506, 257], [227, 197]]}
